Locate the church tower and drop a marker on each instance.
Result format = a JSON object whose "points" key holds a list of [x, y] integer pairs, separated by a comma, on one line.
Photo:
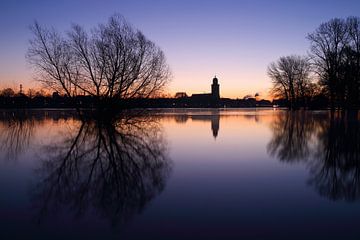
{"points": [[215, 89]]}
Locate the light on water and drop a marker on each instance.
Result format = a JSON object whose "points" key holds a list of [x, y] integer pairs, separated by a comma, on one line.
{"points": [[180, 174]]}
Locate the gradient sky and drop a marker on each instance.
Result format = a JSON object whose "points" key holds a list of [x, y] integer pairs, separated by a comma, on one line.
{"points": [[236, 40]]}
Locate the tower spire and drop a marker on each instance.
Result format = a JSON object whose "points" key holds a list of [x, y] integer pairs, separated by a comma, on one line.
{"points": [[215, 89]]}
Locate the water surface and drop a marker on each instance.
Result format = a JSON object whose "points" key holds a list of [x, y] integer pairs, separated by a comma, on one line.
{"points": [[180, 174]]}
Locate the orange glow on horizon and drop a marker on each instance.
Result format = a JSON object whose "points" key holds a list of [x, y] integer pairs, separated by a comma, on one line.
{"points": [[230, 85]]}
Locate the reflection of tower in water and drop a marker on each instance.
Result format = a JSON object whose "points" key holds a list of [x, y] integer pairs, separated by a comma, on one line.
{"points": [[214, 118], [215, 125]]}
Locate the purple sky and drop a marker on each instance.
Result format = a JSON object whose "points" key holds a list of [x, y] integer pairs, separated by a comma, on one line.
{"points": [[236, 40]]}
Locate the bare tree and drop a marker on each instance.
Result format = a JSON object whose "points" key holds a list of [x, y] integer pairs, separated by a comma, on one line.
{"points": [[50, 54], [31, 92], [328, 43], [351, 65], [290, 78], [113, 61]]}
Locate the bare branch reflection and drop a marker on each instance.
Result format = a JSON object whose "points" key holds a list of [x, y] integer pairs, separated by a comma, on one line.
{"points": [[114, 167], [292, 139], [16, 131], [330, 146], [335, 171], [18, 127]]}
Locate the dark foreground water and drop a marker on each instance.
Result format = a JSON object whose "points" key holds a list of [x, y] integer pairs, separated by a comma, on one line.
{"points": [[180, 174]]}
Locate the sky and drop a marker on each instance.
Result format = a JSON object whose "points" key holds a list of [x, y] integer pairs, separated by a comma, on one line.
{"points": [[234, 40]]}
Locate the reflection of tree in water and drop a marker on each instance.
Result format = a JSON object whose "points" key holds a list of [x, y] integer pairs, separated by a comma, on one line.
{"points": [[292, 135], [330, 143], [112, 167], [17, 128], [181, 118], [16, 131], [335, 171]]}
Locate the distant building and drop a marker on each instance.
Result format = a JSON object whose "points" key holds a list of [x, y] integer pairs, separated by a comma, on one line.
{"points": [[55, 95], [212, 97], [181, 95]]}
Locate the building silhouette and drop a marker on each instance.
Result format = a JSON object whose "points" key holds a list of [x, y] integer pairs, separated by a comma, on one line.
{"points": [[210, 99], [181, 95], [215, 89]]}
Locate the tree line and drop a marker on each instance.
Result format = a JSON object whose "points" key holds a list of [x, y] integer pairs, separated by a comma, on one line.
{"points": [[9, 92], [33, 98], [329, 76]]}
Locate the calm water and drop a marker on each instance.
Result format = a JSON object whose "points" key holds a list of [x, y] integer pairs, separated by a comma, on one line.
{"points": [[180, 174]]}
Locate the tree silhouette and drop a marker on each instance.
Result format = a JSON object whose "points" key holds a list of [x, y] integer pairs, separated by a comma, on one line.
{"points": [[114, 61], [7, 92], [290, 79], [335, 50]]}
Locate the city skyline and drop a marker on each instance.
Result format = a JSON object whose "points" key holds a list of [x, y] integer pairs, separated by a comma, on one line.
{"points": [[235, 40]]}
